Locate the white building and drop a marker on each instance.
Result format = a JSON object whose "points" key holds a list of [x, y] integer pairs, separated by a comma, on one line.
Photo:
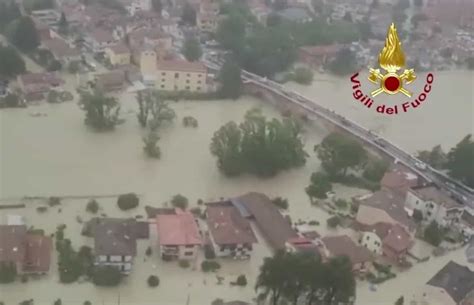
{"points": [[434, 205]]}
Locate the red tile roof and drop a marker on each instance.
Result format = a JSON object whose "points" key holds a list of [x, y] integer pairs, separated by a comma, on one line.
{"points": [[398, 239], [12, 243], [178, 229], [100, 35], [399, 178], [227, 226], [38, 253], [31, 252], [181, 65], [342, 245], [392, 203], [60, 48]]}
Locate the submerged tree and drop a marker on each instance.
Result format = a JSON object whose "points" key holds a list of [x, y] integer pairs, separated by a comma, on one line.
{"points": [[258, 146], [338, 153], [192, 49], [319, 186], [436, 157], [230, 80], [460, 161], [151, 148], [301, 278], [102, 112], [153, 110]]}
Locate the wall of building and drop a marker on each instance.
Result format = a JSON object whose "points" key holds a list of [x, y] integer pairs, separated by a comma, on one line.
{"points": [[124, 263], [176, 80], [234, 250], [372, 242], [119, 59], [432, 211]]}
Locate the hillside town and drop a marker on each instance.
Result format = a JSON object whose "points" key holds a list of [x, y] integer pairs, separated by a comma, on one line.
{"points": [[99, 53]]}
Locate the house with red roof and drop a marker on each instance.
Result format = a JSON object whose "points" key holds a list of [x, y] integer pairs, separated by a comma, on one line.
{"points": [[230, 234], [29, 253], [302, 244], [35, 86], [388, 240], [98, 40], [399, 179], [178, 235], [343, 245], [317, 56]]}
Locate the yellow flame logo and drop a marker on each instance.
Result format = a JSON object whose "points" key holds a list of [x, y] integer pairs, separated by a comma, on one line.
{"points": [[392, 57]]}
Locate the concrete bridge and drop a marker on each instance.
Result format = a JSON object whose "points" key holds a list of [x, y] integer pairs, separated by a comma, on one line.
{"points": [[288, 100]]}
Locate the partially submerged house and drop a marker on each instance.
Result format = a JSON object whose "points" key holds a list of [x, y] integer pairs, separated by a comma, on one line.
{"points": [[35, 86], [115, 241], [399, 179], [230, 233], [343, 245], [276, 229], [30, 253], [434, 205], [384, 225], [178, 235], [452, 285]]}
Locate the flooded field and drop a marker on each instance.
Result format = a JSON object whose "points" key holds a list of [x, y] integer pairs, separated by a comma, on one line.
{"points": [[57, 155]]}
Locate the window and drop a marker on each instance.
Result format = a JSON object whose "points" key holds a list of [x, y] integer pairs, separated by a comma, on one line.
{"points": [[188, 75], [198, 88], [199, 81], [189, 246], [176, 75], [163, 73], [187, 87], [199, 75], [188, 253], [162, 86], [367, 237], [187, 81], [163, 80]]}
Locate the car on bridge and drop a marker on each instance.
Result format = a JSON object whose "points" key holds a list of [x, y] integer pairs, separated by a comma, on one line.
{"points": [[420, 165]]}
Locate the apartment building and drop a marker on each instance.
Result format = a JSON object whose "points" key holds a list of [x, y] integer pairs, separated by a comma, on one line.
{"points": [[173, 75], [434, 205]]}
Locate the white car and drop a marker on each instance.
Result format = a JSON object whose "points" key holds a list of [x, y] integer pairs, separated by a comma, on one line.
{"points": [[420, 165]]}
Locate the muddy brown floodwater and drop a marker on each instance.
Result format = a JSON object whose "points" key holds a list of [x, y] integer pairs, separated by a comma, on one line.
{"points": [[56, 154]]}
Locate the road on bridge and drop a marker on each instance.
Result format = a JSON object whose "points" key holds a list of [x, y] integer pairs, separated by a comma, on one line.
{"points": [[456, 189]]}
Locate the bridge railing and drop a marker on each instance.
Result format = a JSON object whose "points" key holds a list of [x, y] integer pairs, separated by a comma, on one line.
{"points": [[364, 134]]}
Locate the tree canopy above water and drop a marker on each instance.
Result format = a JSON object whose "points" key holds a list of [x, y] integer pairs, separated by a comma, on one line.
{"points": [[258, 146], [102, 112]]}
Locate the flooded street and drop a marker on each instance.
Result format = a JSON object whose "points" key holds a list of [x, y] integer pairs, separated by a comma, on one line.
{"points": [[57, 155]]}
